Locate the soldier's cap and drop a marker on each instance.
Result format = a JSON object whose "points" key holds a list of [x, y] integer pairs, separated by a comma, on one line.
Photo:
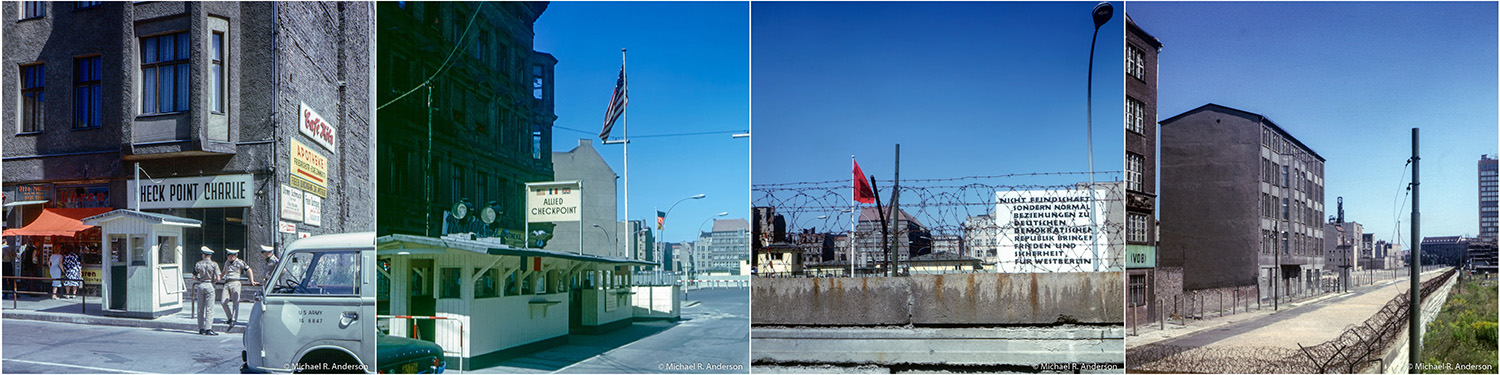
{"points": [[231, 251], [207, 250], [267, 249]]}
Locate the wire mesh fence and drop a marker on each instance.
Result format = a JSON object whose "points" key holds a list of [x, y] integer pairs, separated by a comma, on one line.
{"points": [[1358, 347], [947, 225]]}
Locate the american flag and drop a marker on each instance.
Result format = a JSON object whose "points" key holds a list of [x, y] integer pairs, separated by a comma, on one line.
{"points": [[616, 105]]}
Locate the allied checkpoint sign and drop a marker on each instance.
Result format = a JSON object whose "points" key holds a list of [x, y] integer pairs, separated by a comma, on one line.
{"points": [[1049, 230], [555, 201]]}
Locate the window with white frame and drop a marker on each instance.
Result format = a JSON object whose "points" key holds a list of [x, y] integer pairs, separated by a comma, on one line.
{"points": [[1133, 164], [33, 9], [1135, 62], [220, 85], [1138, 227], [164, 73], [1135, 116]]}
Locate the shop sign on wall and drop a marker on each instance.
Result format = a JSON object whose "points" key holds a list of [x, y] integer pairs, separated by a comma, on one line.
{"points": [[312, 209], [286, 227], [232, 190], [312, 125], [309, 169], [87, 196], [291, 203]]}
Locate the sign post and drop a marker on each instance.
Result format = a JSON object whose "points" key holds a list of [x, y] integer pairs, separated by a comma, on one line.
{"points": [[555, 201]]}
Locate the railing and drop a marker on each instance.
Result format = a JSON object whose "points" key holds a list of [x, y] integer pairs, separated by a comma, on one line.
{"points": [[15, 290], [417, 335]]}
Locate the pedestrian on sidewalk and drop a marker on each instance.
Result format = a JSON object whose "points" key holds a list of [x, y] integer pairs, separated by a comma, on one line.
{"points": [[54, 271], [73, 270], [206, 273], [232, 268]]}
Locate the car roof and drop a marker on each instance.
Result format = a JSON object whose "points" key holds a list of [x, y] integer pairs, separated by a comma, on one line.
{"points": [[335, 241]]}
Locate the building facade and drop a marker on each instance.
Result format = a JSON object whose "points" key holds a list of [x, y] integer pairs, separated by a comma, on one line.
{"points": [[911, 237], [1141, 50], [722, 249], [1489, 196], [1246, 203], [252, 117], [600, 235], [980, 235], [476, 130]]}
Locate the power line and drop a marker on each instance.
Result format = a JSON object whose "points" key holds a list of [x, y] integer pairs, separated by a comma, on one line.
{"points": [[457, 46]]}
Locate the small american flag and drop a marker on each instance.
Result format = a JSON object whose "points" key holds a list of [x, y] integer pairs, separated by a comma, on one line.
{"points": [[616, 105]]}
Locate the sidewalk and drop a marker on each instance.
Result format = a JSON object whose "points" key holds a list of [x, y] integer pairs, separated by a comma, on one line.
{"points": [[32, 307], [1304, 319]]}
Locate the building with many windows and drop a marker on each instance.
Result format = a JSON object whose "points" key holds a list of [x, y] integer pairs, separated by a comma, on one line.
{"points": [[911, 237], [251, 117], [475, 130], [1489, 195], [722, 249], [1245, 206], [1141, 50]]}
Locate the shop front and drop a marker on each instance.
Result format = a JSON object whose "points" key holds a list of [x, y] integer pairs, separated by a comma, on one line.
{"points": [[55, 231], [220, 203]]}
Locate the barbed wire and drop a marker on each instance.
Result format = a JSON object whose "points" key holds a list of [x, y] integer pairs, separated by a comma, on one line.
{"points": [[959, 217]]}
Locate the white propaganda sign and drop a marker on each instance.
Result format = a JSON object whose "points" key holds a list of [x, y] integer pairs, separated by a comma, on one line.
{"points": [[234, 190], [291, 203], [553, 201], [1049, 230]]}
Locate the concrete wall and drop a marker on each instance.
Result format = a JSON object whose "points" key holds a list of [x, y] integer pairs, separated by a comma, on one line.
{"points": [[965, 299], [604, 306], [657, 302], [584, 164]]}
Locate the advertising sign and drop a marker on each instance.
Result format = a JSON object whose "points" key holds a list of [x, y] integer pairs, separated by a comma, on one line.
{"points": [[553, 201], [291, 203], [312, 125], [1049, 230], [32, 192], [1140, 256], [286, 227], [233, 190], [312, 209], [309, 169], [82, 196]]}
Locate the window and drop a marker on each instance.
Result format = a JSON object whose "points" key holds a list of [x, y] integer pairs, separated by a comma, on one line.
{"points": [[1139, 227], [86, 93], [486, 285], [164, 73], [33, 97], [166, 249], [219, 85], [1285, 176], [1286, 213], [1133, 164], [86, 4], [1135, 113], [321, 273], [1284, 240], [1137, 290], [33, 9], [1135, 62], [537, 82], [536, 141], [448, 283]]}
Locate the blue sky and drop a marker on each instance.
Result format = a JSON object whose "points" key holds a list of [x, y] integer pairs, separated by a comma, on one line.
{"points": [[1350, 80], [967, 89], [689, 73]]}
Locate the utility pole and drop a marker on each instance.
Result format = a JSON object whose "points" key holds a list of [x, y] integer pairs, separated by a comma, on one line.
{"points": [[1414, 330], [891, 248]]}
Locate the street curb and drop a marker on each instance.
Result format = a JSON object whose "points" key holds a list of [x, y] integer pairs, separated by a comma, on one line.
{"points": [[104, 321], [692, 303]]}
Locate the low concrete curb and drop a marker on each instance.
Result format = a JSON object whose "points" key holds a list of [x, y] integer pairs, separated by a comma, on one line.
{"points": [[112, 321]]}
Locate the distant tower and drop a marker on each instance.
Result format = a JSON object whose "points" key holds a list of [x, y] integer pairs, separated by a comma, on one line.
{"points": [[1488, 224]]}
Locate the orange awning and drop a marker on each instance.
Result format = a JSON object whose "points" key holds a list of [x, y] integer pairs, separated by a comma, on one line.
{"points": [[66, 222]]}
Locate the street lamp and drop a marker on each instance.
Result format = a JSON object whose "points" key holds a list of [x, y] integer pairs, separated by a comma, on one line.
{"points": [[612, 238], [663, 239], [1102, 13], [692, 260]]}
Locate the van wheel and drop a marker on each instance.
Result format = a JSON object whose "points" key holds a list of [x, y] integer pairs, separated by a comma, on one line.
{"points": [[328, 361]]}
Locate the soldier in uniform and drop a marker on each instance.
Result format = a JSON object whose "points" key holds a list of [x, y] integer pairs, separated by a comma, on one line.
{"points": [[206, 273], [270, 253], [232, 268]]}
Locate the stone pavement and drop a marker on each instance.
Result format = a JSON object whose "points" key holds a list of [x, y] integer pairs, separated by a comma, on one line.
{"points": [[42, 308], [1309, 322]]}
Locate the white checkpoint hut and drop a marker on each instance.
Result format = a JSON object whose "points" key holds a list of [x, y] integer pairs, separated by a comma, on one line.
{"points": [[142, 262]]}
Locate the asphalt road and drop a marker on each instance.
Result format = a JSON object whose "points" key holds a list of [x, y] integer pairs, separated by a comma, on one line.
{"points": [[60, 348], [716, 332]]}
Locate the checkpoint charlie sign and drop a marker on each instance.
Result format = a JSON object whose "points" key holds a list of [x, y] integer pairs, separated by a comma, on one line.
{"points": [[553, 201], [1048, 230], [233, 190]]}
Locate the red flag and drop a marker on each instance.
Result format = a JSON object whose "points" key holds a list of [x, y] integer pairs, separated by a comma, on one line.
{"points": [[862, 191]]}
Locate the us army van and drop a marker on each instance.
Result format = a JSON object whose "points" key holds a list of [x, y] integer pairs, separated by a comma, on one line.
{"points": [[317, 312]]}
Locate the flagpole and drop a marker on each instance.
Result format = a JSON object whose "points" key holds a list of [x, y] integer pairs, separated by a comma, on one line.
{"points": [[625, 136], [853, 219]]}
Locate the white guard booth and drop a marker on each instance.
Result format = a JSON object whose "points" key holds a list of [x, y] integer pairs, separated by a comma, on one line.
{"points": [[142, 262], [494, 302]]}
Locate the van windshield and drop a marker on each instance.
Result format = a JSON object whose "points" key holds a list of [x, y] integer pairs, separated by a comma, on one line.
{"points": [[323, 273]]}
